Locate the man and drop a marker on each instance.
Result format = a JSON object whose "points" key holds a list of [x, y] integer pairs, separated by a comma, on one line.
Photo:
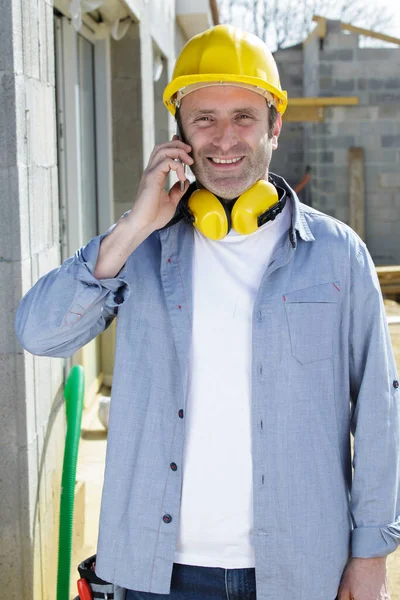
{"points": [[245, 355]]}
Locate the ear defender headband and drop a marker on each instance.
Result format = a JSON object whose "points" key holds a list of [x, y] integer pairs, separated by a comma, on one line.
{"points": [[255, 207]]}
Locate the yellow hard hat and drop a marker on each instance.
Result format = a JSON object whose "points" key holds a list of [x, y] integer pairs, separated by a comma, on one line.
{"points": [[225, 55]]}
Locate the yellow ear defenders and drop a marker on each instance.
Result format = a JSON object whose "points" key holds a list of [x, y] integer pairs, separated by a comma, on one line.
{"points": [[253, 208]]}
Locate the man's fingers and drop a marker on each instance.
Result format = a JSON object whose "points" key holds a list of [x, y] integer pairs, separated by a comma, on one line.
{"points": [[172, 145], [176, 153], [163, 163], [175, 192], [171, 149], [165, 166]]}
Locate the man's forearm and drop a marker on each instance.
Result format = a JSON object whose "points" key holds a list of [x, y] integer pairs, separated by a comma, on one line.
{"points": [[116, 247]]}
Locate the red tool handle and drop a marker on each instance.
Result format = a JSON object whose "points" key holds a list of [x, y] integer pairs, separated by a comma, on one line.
{"points": [[84, 590]]}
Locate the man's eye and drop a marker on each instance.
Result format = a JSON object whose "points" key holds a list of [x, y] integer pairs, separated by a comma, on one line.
{"points": [[244, 116], [203, 119]]}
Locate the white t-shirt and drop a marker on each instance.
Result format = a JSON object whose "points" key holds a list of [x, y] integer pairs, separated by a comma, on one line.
{"points": [[217, 492]]}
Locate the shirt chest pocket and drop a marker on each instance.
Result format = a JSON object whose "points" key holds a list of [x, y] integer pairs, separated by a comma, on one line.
{"points": [[311, 317]]}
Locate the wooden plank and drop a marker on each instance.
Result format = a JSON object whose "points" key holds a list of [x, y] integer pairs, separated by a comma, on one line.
{"points": [[300, 114], [357, 190], [321, 26], [392, 289], [369, 33], [389, 271], [302, 110], [388, 274], [324, 101], [214, 11], [318, 31], [393, 320], [389, 280]]}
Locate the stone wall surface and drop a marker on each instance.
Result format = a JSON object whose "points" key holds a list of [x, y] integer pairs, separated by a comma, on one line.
{"points": [[288, 160], [335, 67], [31, 422]]}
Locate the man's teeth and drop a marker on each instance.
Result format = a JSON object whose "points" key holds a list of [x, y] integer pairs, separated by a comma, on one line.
{"points": [[224, 162]]}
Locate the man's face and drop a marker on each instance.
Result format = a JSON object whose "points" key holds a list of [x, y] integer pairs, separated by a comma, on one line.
{"points": [[228, 123]]}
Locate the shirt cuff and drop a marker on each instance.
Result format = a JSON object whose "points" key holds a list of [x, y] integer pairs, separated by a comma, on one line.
{"points": [[374, 542], [112, 292], [85, 261]]}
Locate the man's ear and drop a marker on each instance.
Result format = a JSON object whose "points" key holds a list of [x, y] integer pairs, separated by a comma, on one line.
{"points": [[276, 131], [179, 129]]}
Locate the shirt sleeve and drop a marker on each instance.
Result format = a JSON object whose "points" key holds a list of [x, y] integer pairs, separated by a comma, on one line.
{"points": [[375, 496], [68, 307]]}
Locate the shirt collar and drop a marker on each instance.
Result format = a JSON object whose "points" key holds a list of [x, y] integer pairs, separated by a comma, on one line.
{"points": [[299, 222]]}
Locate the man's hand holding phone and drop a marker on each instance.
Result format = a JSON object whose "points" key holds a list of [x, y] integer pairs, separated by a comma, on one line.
{"points": [[153, 208]]}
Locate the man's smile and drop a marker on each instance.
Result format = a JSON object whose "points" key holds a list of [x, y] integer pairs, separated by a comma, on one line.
{"points": [[225, 162]]}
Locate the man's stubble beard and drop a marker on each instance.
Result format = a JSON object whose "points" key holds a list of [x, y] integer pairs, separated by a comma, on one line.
{"points": [[230, 187]]}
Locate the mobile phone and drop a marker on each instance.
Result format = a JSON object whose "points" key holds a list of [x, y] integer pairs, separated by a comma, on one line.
{"points": [[178, 133]]}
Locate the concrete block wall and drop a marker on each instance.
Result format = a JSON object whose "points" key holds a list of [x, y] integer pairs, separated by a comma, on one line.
{"points": [[127, 122], [311, 67], [288, 159], [32, 423], [161, 118], [140, 119], [368, 73]]}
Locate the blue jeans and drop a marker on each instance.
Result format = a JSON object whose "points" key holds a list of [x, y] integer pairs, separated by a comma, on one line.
{"points": [[205, 583]]}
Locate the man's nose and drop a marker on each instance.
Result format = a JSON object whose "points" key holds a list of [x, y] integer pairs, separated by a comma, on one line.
{"points": [[225, 135]]}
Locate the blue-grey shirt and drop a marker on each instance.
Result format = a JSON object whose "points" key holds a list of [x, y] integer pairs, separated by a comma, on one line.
{"points": [[322, 366]]}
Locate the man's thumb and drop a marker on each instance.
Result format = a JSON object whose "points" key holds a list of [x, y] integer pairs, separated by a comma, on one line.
{"points": [[344, 594]]}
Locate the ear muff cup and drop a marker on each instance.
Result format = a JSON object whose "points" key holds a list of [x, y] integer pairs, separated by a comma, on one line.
{"points": [[214, 219], [211, 216], [251, 204]]}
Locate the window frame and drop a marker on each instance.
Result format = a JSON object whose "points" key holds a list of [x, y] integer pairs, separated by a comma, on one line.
{"points": [[68, 132]]}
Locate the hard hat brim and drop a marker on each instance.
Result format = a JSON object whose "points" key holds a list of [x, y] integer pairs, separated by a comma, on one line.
{"points": [[219, 79]]}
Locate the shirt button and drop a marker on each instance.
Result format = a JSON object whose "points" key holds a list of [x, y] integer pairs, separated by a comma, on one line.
{"points": [[180, 413], [118, 299], [167, 518], [259, 316], [173, 466], [395, 384]]}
